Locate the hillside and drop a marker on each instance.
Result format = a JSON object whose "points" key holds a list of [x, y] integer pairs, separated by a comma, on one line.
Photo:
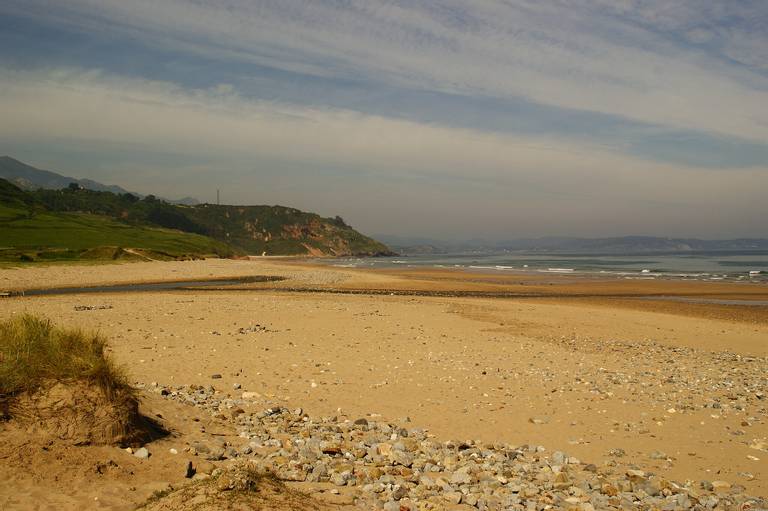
{"points": [[281, 230], [13, 199], [67, 223], [29, 231], [274, 230]]}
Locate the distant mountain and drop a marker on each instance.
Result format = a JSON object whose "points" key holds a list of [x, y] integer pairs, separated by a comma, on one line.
{"points": [[613, 245], [634, 244], [186, 201], [28, 177], [418, 245]]}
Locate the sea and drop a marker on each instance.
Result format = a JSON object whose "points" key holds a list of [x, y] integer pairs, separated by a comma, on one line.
{"points": [[749, 266]]}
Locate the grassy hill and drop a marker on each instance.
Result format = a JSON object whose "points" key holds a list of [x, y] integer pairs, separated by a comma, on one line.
{"points": [[14, 202], [74, 235], [79, 223], [276, 230], [30, 231]]}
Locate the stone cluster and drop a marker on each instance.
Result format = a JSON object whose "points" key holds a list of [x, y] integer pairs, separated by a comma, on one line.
{"points": [[392, 465]]}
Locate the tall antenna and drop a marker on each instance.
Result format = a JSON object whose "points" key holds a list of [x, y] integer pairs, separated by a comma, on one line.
{"points": [[218, 202]]}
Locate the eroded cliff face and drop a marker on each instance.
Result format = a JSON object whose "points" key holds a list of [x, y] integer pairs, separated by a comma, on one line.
{"points": [[255, 232], [312, 230], [279, 230], [321, 238]]}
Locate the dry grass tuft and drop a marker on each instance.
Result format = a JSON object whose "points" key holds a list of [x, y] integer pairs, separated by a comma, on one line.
{"points": [[59, 383], [34, 351], [238, 487]]}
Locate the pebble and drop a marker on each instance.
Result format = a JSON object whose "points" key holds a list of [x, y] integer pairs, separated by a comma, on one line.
{"points": [[392, 465], [720, 486]]}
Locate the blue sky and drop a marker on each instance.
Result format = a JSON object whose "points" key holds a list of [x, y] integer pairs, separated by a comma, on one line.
{"points": [[452, 119]]}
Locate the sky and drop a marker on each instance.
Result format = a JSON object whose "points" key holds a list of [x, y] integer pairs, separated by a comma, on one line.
{"points": [[447, 119]]}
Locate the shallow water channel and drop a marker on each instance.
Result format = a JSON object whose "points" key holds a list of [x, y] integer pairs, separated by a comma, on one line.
{"points": [[148, 286]]}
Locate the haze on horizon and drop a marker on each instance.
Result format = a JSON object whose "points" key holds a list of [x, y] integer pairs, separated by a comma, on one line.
{"points": [[450, 120]]}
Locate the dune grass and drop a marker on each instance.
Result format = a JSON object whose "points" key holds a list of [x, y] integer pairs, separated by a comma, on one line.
{"points": [[239, 486], [33, 352]]}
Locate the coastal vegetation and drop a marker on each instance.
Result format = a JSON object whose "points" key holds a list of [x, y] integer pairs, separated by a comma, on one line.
{"points": [[77, 223], [34, 352], [60, 384]]}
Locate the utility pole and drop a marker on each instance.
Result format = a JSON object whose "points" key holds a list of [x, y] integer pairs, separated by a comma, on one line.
{"points": [[218, 202]]}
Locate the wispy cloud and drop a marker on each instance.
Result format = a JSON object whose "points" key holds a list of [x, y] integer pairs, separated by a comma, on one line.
{"points": [[732, 30], [626, 59]]}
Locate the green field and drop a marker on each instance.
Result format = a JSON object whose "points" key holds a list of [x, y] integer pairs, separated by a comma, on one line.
{"points": [[48, 235], [79, 224]]}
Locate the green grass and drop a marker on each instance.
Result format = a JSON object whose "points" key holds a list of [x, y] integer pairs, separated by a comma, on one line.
{"points": [[83, 219], [77, 232], [33, 351], [15, 263]]}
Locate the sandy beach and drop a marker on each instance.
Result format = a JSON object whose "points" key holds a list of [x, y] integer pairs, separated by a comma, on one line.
{"points": [[589, 367]]}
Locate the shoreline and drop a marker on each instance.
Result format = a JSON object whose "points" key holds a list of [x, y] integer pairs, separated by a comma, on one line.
{"points": [[484, 273], [560, 266], [733, 301]]}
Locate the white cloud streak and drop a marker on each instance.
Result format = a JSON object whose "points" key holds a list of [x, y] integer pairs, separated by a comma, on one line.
{"points": [[502, 175], [597, 56]]}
